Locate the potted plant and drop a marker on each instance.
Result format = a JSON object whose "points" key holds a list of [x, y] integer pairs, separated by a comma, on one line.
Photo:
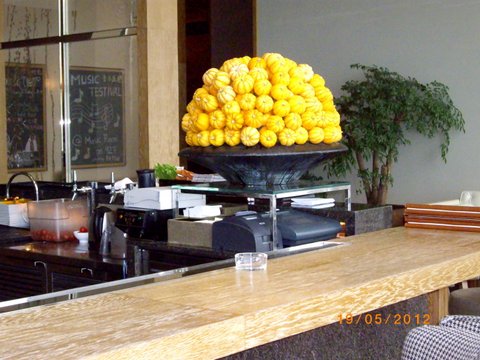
{"points": [[376, 114]]}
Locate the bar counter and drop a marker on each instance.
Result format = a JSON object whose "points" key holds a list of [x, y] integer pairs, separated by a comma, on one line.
{"points": [[221, 312]]}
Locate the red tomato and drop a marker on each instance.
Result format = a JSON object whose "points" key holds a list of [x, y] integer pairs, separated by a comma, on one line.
{"points": [[83, 229]]}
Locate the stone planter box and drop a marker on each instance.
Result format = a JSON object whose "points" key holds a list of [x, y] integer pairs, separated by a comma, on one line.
{"points": [[362, 218]]}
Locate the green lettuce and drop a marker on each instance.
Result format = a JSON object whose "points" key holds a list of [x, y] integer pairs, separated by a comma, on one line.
{"points": [[165, 171]]}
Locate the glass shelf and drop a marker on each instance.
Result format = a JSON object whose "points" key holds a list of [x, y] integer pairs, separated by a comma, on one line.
{"points": [[266, 191], [271, 192]]}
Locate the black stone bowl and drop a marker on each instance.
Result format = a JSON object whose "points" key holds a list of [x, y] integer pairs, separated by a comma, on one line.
{"points": [[259, 165]]}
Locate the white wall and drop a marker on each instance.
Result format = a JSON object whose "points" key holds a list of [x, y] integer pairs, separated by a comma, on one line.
{"points": [[426, 39]]}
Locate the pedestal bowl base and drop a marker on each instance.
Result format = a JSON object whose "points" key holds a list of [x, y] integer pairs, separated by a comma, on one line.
{"points": [[261, 166]]}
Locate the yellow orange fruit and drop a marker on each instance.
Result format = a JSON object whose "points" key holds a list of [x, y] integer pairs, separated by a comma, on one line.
{"points": [[243, 84], [301, 136], [262, 87], [217, 119], [209, 76], [232, 137], [332, 134], [281, 108], [201, 122], [226, 94], [246, 101], [249, 136], [293, 121], [264, 103], [203, 138], [253, 118], [257, 62], [217, 137], [275, 123], [231, 107], [234, 121], [286, 137], [316, 135], [268, 138]]}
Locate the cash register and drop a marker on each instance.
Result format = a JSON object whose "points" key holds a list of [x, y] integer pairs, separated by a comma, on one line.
{"points": [[251, 231]]}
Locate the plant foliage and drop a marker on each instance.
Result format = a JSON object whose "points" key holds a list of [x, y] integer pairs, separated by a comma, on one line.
{"points": [[165, 171], [376, 114]]}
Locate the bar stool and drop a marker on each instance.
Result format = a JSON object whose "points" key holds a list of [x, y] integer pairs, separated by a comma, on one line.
{"points": [[464, 302]]}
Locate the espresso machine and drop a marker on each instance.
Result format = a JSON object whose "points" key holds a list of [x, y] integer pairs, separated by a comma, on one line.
{"points": [[146, 211]]}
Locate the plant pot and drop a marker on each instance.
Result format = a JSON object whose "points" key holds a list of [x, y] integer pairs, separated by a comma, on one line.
{"points": [[362, 218]]}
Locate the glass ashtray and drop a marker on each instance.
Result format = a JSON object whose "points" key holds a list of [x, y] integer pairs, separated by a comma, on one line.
{"points": [[251, 261]]}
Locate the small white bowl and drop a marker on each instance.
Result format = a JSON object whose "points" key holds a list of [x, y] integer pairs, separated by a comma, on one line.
{"points": [[81, 236]]}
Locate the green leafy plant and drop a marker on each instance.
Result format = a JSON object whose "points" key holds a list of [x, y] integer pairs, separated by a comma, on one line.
{"points": [[165, 171], [377, 113]]}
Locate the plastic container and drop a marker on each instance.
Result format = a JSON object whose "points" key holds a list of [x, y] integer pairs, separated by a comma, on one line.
{"points": [[56, 219]]}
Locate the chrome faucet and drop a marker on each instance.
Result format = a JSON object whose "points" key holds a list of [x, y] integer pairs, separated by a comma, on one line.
{"points": [[37, 197], [113, 192], [90, 189]]}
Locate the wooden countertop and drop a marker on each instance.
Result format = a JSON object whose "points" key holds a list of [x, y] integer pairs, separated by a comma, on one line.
{"points": [[220, 312]]}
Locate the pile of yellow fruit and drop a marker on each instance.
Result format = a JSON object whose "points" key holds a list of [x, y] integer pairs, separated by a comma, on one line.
{"points": [[268, 100]]}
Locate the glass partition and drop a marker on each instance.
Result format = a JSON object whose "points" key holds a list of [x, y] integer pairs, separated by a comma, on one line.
{"points": [[94, 15], [31, 140], [29, 19], [70, 89], [103, 108]]}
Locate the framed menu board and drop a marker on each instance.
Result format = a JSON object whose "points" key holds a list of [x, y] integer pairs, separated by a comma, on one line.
{"points": [[25, 107], [97, 117]]}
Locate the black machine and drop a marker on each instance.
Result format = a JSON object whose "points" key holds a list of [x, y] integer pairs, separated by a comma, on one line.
{"points": [[252, 232], [144, 223]]}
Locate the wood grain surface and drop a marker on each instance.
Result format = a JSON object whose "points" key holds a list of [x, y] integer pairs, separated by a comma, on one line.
{"points": [[220, 312]]}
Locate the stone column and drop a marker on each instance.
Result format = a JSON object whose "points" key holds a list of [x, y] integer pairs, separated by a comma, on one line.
{"points": [[158, 82]]}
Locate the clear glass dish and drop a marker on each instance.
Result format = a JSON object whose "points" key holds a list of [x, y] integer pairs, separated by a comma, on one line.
{"points": [[251, 261]]}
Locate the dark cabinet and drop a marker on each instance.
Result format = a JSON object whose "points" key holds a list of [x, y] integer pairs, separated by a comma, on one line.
{"points": [[21, 277], [146, 257], [64, 280], [21, 281], [62, 277]]}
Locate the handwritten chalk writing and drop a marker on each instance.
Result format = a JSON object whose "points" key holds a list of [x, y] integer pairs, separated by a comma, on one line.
{"points": [[25, 101], [96, 108]]}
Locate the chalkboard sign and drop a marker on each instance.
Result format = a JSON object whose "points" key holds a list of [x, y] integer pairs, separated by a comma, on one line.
{"points": [[96, 112], [25, 100]]}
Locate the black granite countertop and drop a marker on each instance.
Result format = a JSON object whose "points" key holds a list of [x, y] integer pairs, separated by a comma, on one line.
{"points": [[70, 253], [10, 235], [17, 242]]}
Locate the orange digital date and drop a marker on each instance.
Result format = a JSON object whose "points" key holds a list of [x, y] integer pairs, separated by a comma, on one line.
{"points": [[384, 319]]}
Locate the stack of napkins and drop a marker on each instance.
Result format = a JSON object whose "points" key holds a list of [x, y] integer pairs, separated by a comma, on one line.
{"points": [[313, 202], [202, 211], [15, 215]]}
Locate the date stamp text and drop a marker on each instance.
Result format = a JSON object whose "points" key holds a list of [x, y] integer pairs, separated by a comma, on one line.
{"points": [[384, 319]]}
